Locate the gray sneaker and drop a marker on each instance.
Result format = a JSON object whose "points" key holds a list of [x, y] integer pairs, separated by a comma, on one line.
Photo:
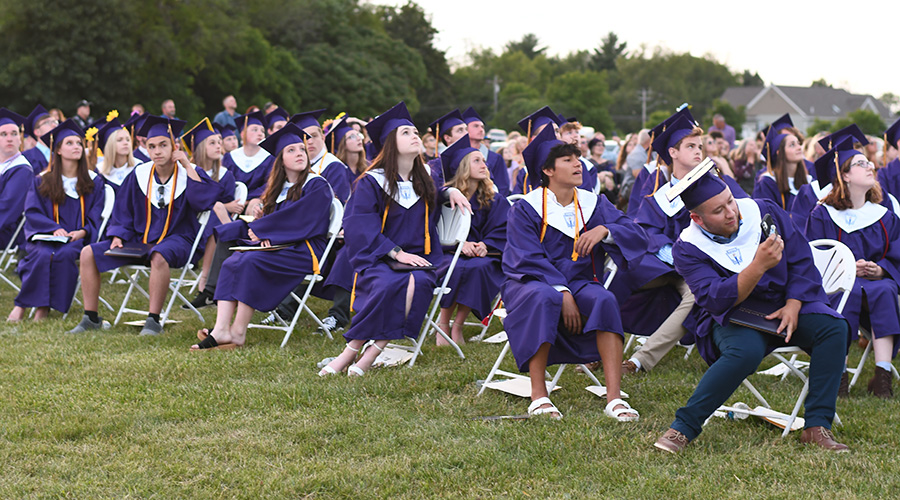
{"points": [[151, 327], [86, 324]]}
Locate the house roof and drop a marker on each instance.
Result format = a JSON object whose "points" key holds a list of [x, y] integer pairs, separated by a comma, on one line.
{"points": [[821, 102]]}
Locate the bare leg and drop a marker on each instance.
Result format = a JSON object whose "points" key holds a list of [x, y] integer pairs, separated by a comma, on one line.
{"points": [[16, 315], [221, 212], [537, 367], [883, 348], [347, 356], [241, 320], [609, 345], [90, 279], [444, 323], [159, 282], [222, 330], [41, 313], [462, 312], [410, 291], [368, 357]]}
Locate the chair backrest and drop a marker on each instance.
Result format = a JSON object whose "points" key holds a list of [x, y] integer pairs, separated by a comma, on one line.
{"points": [[336, 218], [240, 192], [837, 266], [612, 269], [453, 226], [109, 201]]}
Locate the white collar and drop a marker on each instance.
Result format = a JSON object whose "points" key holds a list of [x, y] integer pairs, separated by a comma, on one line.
{"points": [[142, 176], [405, 196], [322, 161], [17, 160], [44, 150], [895, 205], [70, 184], [246, 163], [650, 167], [820, 193], [288, 185], [737, 254], [563, 218], [222, 171], [670, 208], [790, 181], [117, 174], [854, 219]]}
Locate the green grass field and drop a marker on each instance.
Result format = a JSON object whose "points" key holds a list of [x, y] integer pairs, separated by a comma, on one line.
{"points": [[113, 415]]}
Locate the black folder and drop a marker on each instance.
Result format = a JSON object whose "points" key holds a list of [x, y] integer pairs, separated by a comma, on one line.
{"points": [[752, 314]]}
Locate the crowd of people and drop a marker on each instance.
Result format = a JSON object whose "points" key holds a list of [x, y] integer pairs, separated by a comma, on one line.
{"points": [[678, 210]]}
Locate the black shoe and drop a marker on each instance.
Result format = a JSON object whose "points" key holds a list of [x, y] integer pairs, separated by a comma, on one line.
{"points": [[203, 299]]}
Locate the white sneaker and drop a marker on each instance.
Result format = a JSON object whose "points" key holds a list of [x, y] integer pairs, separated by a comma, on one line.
{"points": [[329, 325]]}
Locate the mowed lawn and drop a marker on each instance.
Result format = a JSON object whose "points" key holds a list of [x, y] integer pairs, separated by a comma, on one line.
{"points": [[113, 415]]}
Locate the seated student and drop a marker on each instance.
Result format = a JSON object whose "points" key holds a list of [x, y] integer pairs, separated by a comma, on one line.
{"points": [[447, 129], [65, 200], [851, 214], [495, 163], [296, 204], [36, 125], [726, 266], [15, 176], [346, 143], [276, 120], [533, 125], [229, 140], [204, 144], [156, 207], [322, 162], [663, 300], [889, 176], [249, 163], [785, 168], [118, 160], [477, 277], [134, 125], [557, 241], [390, 217]]}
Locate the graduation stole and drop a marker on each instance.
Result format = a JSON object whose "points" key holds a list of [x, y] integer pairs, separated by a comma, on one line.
{"points": [[171, 202], [56, 210], [577, 212]]}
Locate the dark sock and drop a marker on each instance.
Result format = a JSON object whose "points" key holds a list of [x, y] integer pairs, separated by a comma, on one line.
{"points": [[154, 317], [93, 316]]}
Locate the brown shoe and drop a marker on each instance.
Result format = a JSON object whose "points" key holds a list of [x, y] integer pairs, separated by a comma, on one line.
{"points": [[844, 388], [672, 441], [593, 366], [822, 437], [628, 367], [881, 382]]}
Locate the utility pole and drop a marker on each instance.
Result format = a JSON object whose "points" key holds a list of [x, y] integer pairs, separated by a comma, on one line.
{"points": [[496, 94], [643, 106]]}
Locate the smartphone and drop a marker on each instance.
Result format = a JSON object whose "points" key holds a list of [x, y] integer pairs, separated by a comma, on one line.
{"points": [[768, 227]]}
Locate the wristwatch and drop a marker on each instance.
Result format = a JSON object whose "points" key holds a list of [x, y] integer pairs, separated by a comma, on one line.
{"points": [[394, 252]]}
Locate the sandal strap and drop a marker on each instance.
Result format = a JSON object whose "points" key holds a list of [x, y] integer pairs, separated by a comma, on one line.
{"points": [[534, 407], [354, 349], [207, 343], [611, 408], [355, 370]]}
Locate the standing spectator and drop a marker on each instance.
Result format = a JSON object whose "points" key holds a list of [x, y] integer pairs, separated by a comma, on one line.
{"points": [[727, 130], [58, 114], [635, 161], [269, 107], [226, 116], [168, 109], [82, 116], [137, 109], [747, 161]]}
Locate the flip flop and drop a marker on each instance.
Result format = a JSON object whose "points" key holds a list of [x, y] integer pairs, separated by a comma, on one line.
{"points": [[210, 343]]}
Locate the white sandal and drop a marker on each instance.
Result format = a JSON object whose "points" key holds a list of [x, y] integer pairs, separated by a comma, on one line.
{"points": [[535, 408], [617, 413], [327, 368], [355, 371]]}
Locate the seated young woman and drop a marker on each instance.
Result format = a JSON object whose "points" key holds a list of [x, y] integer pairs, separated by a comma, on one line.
{"points": [[852, 214], [294, 225], [65, 201], [118, 160], [390, 219], [477, 277]]}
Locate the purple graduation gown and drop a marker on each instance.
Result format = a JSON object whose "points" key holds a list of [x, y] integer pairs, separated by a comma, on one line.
{"points": [[878, 242], [36, 159], [715, 287], [224, 194], [253, 171], [476, 280], [117, 177], [139, 155], [499, 175], [380, 293], [639, 190], [766, 188], [15, 181], [262, 279], [49, 271], [129, 217], [533, 268], [889, 177], [336, 173]]}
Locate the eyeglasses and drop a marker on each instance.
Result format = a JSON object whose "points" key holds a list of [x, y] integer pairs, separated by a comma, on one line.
{"points": [[863, 164], [161, 197]]}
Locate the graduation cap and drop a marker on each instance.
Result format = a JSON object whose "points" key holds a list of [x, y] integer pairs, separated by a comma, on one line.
{"points": [[892, 134], [106, 130], [699, 185], [226, 130], [536, 154], [782, 122], [199, 133], [539, 118], [336, 133], [453, 156], [161, 126], [675, 131], [774, 138], [446, 123], [851, 131], [828, 166], [307, 118], [36, 115], [386, 122], [284, 137], [65, 129], [253, 118], [277, 115], [8, 117], [470, 115]]}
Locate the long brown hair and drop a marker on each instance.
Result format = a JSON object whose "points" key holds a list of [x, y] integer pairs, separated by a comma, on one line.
{"points": [[51, 182], [484, 190], [778, 166], [276, 182], [342, 154], [388, 160], [839, 197], [202, 161]]}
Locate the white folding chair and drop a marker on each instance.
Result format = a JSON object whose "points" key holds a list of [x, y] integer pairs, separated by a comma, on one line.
{"points": [[9, 253], [452, 229], [175, 284], [240, 194], [334, 227], [611, 271], [837, 266], [109, 201]]}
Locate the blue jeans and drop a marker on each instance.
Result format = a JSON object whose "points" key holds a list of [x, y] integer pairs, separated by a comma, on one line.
{"points": [[742, 349]]}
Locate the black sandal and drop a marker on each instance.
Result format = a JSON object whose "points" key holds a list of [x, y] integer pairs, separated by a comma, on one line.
{"points": [[210, 343]]}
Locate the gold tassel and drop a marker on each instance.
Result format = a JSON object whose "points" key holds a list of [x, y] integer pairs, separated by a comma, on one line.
{"points": [[884, 151], [315, 261], [427, 232], [574, 253], [529, 132], [353, 292], [544, 215]]}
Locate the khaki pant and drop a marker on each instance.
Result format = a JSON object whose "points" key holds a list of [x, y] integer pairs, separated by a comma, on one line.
{"points": [[670, 332]]}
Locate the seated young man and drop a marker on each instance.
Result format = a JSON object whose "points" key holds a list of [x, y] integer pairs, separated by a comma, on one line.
{"points": [[726, 266], [323, 162], [557, 241], [156, 205], [447, 129]]}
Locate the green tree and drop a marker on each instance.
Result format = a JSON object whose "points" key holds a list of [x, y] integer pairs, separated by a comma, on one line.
{"points": [[868, 121], [584, 94], [604, 57], [748, 79], [821, 83], [528, 45], [733, 117], [818, 125]]}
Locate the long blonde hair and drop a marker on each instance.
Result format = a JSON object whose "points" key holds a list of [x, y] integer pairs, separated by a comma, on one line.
{"points": [[485, 188], [200, 159], [110, 157]]}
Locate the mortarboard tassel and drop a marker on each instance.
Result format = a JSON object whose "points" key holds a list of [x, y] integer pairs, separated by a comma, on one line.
{"points": [[544, 214], [353, 291], [427, 233], [315, 261], [884, 151], [575, 243], [529, 132]]}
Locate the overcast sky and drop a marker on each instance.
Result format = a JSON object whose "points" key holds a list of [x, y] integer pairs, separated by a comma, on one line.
{"points": [[850, 45]]}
